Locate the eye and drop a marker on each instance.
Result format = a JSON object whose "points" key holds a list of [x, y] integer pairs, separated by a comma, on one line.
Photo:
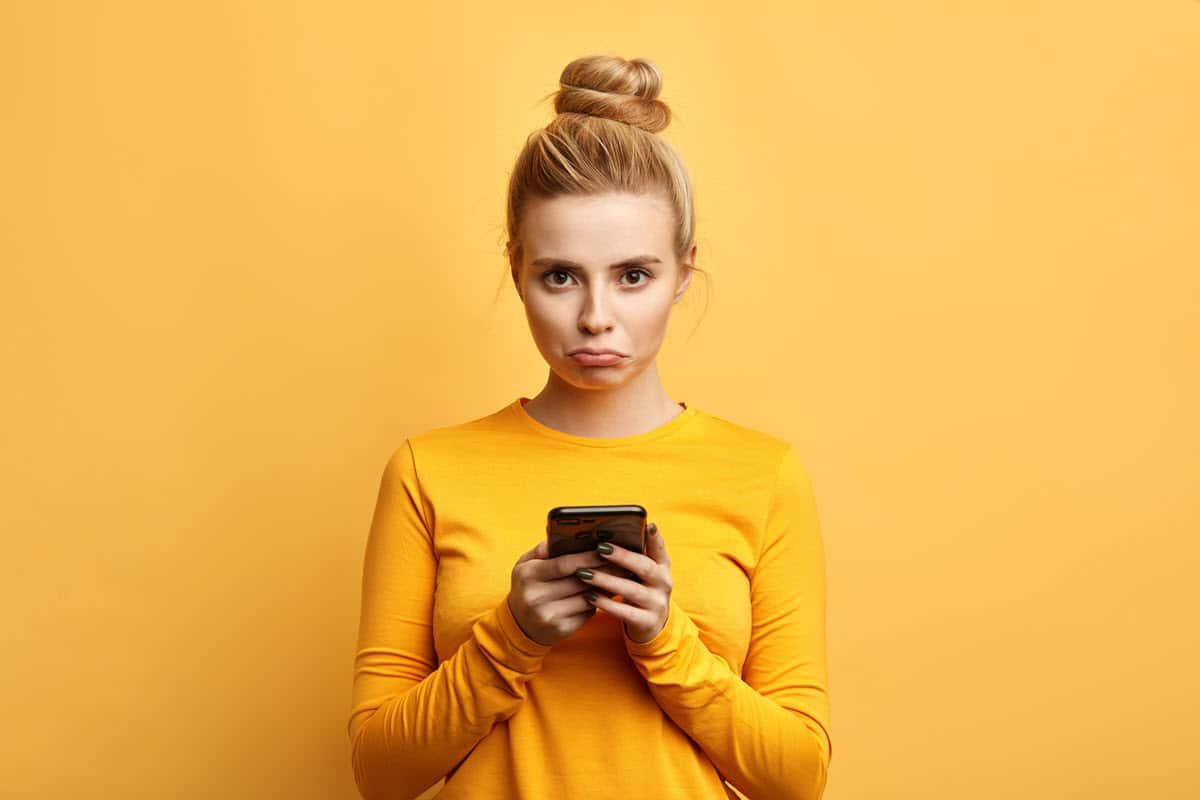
{"points": [[547, 274], [649, 277]]}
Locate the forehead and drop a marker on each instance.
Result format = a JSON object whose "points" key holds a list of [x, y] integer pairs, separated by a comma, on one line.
{"points": [[598, 228]]}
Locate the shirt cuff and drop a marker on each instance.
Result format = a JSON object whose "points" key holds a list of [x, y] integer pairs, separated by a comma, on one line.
{"points": [[527, 653], [677, 627]]}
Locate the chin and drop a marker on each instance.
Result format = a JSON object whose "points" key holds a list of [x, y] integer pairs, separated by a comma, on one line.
{"points": [[595, 375]]}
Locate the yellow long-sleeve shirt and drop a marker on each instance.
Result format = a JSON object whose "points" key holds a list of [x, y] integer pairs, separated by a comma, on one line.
{"points": [[733, 688]]}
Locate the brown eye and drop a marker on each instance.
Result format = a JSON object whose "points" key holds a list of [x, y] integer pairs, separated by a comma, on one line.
{"points": [[555, 272], [642, 271]]}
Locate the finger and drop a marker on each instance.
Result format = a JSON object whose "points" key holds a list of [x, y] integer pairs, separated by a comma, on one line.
{"points": [[632, 591], [608, 569], [656, 546], [568, 606], [623, 611], [550, 569], [642, 566], [562, 587], [613, 569], [539, 550]]}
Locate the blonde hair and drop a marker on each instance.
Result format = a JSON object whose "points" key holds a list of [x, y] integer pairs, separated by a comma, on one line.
{"points": [[602, 139]]}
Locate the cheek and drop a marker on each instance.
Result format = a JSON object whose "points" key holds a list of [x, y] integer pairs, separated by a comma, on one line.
{"points": [[652, 326], [544, 317], [546, 323]]}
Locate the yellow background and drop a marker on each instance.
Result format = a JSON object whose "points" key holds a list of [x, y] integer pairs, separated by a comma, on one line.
{"points": [[954, 252]]}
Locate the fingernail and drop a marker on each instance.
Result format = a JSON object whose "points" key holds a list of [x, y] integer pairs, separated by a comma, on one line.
{"points": [[653, 527], [590, 594], [604, 547], [583, 573]]}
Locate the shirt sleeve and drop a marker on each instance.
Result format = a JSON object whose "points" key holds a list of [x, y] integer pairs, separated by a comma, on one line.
{"points": [[412, 719], [766, 731]]}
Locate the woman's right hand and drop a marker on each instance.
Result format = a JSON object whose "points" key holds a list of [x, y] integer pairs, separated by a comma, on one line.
{"points": [[546, 597]]}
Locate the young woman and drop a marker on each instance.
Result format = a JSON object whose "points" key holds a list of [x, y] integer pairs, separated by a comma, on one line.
{"points": [[613, 673]]}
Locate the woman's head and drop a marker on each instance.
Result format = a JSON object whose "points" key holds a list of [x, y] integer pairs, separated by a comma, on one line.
{"points": [[591, 194]]}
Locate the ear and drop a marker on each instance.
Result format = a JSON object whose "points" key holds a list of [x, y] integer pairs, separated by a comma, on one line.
{"points": [[515, 271], [685, 268]]}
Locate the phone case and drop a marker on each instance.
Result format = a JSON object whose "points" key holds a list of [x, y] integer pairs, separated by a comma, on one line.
{"points": [[573, 529]]}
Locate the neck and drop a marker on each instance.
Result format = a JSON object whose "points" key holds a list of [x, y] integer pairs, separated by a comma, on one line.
{"points": [[627, 410]]}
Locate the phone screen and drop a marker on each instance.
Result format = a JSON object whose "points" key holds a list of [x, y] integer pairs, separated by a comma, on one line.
{"points": [[574, 529]]}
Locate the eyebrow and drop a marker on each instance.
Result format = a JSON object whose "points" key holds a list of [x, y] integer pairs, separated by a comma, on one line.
{"points": [[552, 261]]}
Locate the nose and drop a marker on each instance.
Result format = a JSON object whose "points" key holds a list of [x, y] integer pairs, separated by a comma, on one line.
{"points": [[596, 314]]}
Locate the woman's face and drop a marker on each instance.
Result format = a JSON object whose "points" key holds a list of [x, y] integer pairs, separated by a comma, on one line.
{"points": [[599, 272]]}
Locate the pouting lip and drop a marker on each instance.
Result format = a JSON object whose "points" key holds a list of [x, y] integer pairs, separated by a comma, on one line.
{"points": [[595, 352]]}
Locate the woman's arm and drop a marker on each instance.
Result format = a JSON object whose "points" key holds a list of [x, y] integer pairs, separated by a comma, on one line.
{"points": [[411, 723], [766, 731]]}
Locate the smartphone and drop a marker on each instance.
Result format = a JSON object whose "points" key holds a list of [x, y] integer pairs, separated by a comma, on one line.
{"points": [[573, 529]]}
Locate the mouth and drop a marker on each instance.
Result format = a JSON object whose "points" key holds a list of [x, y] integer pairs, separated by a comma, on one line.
{"points": [[596, 351], [604, 359]]}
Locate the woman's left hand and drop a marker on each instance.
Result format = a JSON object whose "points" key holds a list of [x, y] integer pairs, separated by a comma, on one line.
{"points": [[644, 611]]}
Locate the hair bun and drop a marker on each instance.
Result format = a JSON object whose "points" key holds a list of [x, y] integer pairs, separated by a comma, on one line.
{"points": [[614, 88]]}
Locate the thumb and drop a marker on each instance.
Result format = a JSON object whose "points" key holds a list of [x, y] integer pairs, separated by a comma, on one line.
{"points": [[656, 548], [540, 550]]}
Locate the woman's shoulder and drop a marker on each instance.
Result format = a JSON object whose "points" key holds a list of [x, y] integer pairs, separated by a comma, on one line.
{"points": [[720, 431], [453, 437]]}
